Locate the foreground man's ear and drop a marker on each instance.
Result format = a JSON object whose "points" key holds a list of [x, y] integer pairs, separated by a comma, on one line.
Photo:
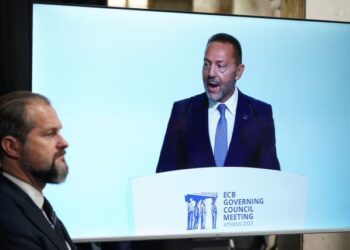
{"points": [[11, 146]]}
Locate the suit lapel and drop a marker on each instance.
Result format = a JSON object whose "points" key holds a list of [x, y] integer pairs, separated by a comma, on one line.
{"points": [[36, 216], [31, 211], [236, 152], [200, 131]]}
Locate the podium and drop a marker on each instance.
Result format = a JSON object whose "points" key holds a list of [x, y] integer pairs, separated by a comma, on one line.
{"points": [[218, 201]]}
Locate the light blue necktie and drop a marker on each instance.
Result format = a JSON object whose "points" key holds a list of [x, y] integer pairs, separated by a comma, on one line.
{"points": [[221, 145]]}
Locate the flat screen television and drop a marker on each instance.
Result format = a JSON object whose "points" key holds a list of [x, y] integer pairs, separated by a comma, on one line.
{"points": [[113, 74]]}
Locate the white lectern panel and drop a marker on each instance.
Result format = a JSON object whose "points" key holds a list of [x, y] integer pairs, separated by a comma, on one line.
{"points": [[219, 200]]}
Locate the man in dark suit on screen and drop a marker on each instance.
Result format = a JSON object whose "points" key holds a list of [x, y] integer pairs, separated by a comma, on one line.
{"points": [[31, 155], [190, 140], [223, 126]]}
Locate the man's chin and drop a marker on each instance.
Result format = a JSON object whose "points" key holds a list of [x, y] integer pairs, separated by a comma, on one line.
{"points": [[55, 174], [58, 174], [214, 96], [57, 179], [61, 174]]}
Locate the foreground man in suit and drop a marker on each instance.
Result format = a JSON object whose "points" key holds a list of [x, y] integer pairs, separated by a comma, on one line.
{"points": [[31, 155], [195, 137]]}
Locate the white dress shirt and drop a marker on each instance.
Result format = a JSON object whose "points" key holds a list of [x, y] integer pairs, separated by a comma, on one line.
{"points": [[33, 193], [214, 116]]}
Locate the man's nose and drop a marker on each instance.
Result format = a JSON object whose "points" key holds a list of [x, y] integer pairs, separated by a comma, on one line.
{"points": [[62, 142], [212, 71]]}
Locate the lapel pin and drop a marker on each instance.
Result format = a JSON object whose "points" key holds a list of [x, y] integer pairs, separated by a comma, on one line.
{"points": [[245, 117]]}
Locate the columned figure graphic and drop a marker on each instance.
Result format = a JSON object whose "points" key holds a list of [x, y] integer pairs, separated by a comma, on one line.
{"points": [[190, 209], [203, 213], [214, 213], [196, 215]]}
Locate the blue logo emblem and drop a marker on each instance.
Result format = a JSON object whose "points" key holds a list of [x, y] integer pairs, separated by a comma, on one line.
{"points": [[198, 206]]}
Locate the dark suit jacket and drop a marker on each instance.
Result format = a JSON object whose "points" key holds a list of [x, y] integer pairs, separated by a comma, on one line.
{"points": [[187, 144], [22, 223]]}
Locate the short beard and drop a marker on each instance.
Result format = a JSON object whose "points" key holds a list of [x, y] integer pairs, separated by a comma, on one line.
{"points": [[53, 175]]}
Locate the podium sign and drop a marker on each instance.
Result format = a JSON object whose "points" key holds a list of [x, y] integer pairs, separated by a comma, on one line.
{"points": [[219, 200]]}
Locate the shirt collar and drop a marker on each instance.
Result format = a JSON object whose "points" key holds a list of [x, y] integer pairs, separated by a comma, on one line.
{"points": [[34, 194]]}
